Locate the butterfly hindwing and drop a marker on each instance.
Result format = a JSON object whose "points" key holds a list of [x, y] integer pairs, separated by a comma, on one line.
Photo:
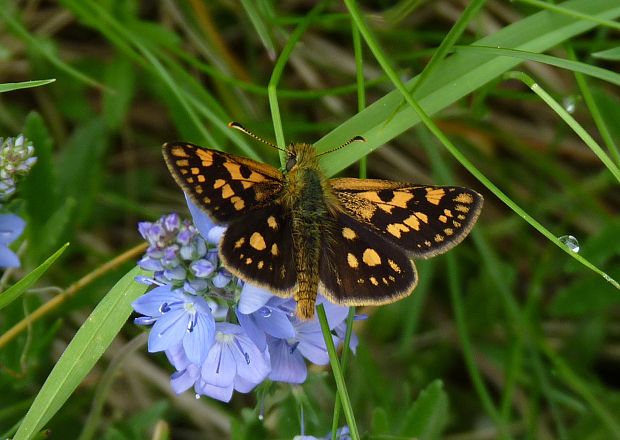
{"points": [[223, 185], [258, 248], [422, 219], [363, 268]]}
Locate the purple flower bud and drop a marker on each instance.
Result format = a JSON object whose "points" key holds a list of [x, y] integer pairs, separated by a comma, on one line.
{"points": [[172, 222], [222, 279], [202, 268]]}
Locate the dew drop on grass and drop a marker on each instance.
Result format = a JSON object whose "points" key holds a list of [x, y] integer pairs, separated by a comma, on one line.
{"points": [[570, 104], [570, 242]]}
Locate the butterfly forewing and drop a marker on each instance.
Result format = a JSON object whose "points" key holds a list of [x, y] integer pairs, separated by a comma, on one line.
{"points": [[362, 267], [423, 220], [225, 186], [258, 249]]}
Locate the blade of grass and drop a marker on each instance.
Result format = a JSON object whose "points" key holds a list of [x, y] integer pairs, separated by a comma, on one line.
{"points": [[13, 292], [252, 11], [572, 65], [569, 12], [84, 350], [7, 87], [566, 117], [594, 110], [456, 153], [457, 76], [44, 51], [337, 373], [278, 69]]}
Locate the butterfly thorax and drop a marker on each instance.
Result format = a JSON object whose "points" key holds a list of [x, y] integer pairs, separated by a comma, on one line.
{"points": [[307, 199]]}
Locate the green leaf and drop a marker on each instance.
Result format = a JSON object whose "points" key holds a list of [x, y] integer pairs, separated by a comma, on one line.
{"points": [[7, 87], [612, 54], [428, 416], [87, 346], [13, 292]]}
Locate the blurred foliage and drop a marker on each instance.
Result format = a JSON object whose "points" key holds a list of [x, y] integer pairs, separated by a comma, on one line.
{"points": [[505, 337]]}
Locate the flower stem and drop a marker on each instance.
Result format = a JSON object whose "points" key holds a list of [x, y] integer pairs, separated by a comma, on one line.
{"points": [[336, 370]]}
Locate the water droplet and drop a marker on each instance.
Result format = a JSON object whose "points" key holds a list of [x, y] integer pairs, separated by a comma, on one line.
{"points": [[261, 417], [569, 103], [570, 242], [197, 396], [164, 308], [247, 358], [265, 312]]}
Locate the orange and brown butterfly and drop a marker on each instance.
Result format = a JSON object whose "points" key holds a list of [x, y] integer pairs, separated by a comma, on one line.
{"points": [[295, 232]]}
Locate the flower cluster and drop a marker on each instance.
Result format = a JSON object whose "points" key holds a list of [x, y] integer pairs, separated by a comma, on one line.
{"points": [[16, 159], [218, 333]]}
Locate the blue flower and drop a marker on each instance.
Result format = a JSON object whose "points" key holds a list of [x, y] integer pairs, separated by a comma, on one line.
{"points": [[233, 363], [177, 318], [11, 227], [271, 320]]}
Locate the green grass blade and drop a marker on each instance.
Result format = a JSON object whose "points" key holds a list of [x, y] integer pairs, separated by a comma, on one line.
{"points": [[13, 292], [612, 54], [87, 346], [458, 76], [572, 123], [574, 66], [262, 28], [7, 87]]}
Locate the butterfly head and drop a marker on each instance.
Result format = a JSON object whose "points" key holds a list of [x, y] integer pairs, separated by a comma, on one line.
{"points": [[300, 155]]}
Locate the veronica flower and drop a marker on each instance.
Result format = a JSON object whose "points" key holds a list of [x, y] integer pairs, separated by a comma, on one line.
{"points": [[16, 158], [233, 363], [178, 319], [11, 227]]}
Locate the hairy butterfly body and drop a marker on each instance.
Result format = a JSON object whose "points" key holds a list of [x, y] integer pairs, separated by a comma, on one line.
{"points": [[296, 233]]}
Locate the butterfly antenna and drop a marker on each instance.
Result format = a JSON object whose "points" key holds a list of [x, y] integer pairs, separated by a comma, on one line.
{"points": [[242, 129], [350, 141]]}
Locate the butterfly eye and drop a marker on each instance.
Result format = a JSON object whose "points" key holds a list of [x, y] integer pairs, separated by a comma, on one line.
{"points": [[291, 162]]}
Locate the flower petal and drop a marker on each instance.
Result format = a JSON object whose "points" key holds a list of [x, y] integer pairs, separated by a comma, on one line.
{"points": [[151, 302], [223, 394], [274, 322], [251, 363], [248, 324], [253, 298], [199, 340], [201, 220], [215, 234], [8, 258], [219, 368], [168, 331], [11, 227], [183, 380], [287, 365]]}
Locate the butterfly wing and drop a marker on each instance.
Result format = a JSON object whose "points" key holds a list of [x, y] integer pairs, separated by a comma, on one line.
{"points": [[362, 267], [223, 185], [424, 220], [258, 249]]}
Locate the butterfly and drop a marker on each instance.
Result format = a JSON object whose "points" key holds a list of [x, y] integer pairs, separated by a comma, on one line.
{"points": [[295, 232]]}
